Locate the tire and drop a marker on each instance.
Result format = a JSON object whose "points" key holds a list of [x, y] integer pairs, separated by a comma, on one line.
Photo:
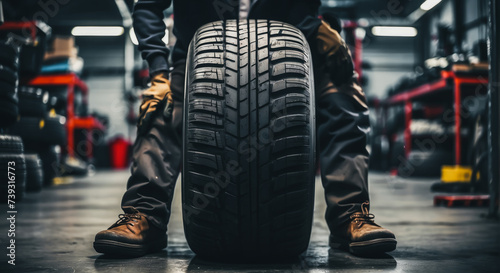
{"points": [[11, 145], [8, 75], [45, 131], [9, 56], [9, 113], [379, 153], [423, 160], [478, 152], [32, 102], [426, 128], [34, 173], [19, 169], [9, 110], [8, 92], [397, 152], [50, 161], [249, 141], [426, 163]]}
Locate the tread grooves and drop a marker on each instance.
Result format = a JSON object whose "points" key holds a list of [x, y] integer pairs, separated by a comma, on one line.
{"points": [[243, 79]]}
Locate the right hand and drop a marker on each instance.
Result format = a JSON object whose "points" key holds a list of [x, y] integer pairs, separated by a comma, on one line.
{"points": [[156, 96]]}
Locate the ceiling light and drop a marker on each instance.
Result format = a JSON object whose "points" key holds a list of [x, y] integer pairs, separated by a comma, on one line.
{"points": [[395, 31], [97, 31], [429, 4]]}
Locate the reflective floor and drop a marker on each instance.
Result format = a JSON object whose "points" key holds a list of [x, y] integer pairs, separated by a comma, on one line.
{"points": [[55, 230]]}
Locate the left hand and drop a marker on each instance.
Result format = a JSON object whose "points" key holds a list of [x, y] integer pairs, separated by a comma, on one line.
{"points": [[152, 99]]}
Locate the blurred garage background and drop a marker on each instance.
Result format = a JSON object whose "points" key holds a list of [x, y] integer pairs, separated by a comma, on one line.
{"points": [[70, 84]]}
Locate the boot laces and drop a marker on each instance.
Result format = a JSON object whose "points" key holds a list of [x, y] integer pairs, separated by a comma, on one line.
{"points": [[126, 218], [364, 216]]}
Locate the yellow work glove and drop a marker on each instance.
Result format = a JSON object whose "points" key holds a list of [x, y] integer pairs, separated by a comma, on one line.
{"points": [[338, 58], [155, 97]]}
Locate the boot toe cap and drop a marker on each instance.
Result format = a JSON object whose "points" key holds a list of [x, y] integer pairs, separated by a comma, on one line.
{"points": [[113, 235], [375, 234]]}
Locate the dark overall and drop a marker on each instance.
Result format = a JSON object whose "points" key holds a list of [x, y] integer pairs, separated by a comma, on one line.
{"points": [[342, 114]]}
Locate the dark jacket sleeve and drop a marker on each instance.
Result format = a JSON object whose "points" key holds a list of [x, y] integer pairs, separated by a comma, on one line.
{"points": [[150, 30]]}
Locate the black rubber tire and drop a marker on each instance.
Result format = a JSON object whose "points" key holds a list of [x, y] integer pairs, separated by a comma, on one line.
{"points": [[50, 161], [9, 113], [9, 56], [11, 145], [9, 110], [478, 151], [51, 165], [8, 92], [249, 141], [20, 175], [8, 75], [32, 102], [425, 163], [397, 156], [379, 154], [44, 131], [34, 173]]}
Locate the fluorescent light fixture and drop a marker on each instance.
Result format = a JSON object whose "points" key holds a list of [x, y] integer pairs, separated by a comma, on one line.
{"points": [[394, 31], [429, 4], [97, 31]]}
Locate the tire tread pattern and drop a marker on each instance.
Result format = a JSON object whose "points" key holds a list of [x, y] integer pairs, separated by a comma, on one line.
{"points": [[248, 180]]}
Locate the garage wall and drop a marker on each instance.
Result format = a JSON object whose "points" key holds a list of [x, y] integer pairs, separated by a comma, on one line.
{"points": [[104, 74], [474, 10], [390, 59]]}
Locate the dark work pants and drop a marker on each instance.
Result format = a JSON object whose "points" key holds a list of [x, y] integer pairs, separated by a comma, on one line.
{"points": [[341, 133], [156, 160]]}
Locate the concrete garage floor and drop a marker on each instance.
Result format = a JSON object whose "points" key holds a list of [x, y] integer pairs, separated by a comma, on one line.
{"points": [[55, 230]]}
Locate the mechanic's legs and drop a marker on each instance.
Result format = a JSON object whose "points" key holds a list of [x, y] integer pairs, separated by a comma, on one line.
{"points": [[342, 124], [157, 156], [155, 168]]}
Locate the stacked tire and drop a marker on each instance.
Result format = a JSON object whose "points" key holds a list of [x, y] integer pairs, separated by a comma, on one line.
{"points": [[9, 64], [12, 168], [42, 131], [248, 170]]}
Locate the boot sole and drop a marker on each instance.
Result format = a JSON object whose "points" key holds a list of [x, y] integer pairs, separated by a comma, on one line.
{"points": [[370, 247], [116, 248]]}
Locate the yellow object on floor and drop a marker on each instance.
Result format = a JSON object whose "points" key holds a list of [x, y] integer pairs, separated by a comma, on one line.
{"points": [[456, 174]]}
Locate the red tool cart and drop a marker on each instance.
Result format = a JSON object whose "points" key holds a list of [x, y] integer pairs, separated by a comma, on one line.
{"points": [[451, 87], [73, 122]]}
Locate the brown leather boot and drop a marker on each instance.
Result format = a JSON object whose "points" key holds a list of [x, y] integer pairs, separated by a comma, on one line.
{"points": [[131, 235], [362, 236]]}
